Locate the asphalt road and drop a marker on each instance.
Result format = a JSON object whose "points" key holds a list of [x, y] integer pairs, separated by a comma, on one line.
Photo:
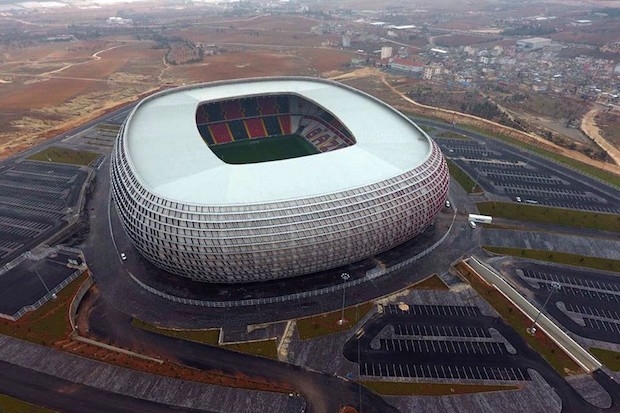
{"points": [[68, 397], [323, 393]]}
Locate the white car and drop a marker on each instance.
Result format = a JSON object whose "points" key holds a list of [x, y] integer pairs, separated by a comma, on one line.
{"points": [[123, 256]]}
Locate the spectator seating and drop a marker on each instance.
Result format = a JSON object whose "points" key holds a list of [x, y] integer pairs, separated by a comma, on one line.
{"points": [[272, 125], [267, 105], [206, 134], [285, 124], [258, 117], [220, 132], [249, 107], [214, 113], [232, 110], [255, 128], [238, 130]]}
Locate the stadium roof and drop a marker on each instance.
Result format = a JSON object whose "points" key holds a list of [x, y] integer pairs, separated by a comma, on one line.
{"points": [[170, 158]]}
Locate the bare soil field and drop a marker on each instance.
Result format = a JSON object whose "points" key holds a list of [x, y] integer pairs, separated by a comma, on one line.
{"points": [[250, 37], [596, 35], [609, 124], [308, 62], [238, 65], [58, 84]]}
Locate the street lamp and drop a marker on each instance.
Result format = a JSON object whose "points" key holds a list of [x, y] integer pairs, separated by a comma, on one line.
{"points": [[555, 287], [345, 276], [43, 282]]}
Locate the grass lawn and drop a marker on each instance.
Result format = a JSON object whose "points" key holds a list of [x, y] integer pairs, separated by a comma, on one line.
{"points": [[462, 178], [264, 348], [431, 389], [548, 215], [10, 404], [327, 323], [452, 135], [64, 155], [47, 324], [211, 336], [540, 342], [609, 358], [430, 283], [604, 264], [264, 149]]}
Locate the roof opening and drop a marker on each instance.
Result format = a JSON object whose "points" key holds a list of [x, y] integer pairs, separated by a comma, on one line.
{"points": [[268, 128]]}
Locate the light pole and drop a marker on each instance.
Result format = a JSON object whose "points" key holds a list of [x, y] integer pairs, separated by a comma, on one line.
{"points": [[345, 276], [43, 282], [555, 286]]}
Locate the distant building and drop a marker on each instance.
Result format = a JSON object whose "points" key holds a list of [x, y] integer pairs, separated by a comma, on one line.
{"points": [[430, 71], [406, 65], [346, 41], [119, 21], [439, 51], [386, 52], [533, 43], [469, 50]]}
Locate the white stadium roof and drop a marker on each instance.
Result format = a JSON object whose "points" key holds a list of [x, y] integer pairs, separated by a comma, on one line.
{"points": [[170, 157]]}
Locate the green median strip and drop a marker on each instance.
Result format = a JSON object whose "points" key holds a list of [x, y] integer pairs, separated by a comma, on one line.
{"points": [[431, 389], [210, 336], [327, 323], [548, 215], [604, 264], [264, 348], [57, 154], [431, 283], [10, 404], [540, 342], [462, 178], [609, 358]]}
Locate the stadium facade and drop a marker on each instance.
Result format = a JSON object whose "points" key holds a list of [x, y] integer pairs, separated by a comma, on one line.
{"points": [[371, 181]]}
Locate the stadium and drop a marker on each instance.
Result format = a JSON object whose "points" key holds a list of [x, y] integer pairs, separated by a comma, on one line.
{"points": [[262, 179]]}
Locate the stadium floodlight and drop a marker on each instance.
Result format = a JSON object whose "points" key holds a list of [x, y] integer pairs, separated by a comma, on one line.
{"points": [[555, 287], [43, 282], [345, 276]]}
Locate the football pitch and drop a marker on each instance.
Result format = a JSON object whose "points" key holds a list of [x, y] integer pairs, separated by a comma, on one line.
{"points": [[272, 148]]}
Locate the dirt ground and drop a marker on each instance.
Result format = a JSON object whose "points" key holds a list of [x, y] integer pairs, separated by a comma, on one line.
{"points": [[49, 87]]}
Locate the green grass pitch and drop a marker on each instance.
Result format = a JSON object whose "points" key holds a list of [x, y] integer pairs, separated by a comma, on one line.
{"points": [[272, 148]]}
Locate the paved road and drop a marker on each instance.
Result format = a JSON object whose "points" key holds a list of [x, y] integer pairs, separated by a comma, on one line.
{"points": [[68, 397], [323, 393]]}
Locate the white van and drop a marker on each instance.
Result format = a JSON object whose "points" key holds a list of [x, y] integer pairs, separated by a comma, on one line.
{"points": [[472, 224]]}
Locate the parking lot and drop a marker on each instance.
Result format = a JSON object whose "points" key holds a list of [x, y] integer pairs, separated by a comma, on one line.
{"points": [[590, 300], [503, 171], [35, 197], [32, 279], [435, 342]]}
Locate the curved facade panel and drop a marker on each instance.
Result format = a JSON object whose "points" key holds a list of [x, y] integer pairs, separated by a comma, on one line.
{"points": [[285, 237]]}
